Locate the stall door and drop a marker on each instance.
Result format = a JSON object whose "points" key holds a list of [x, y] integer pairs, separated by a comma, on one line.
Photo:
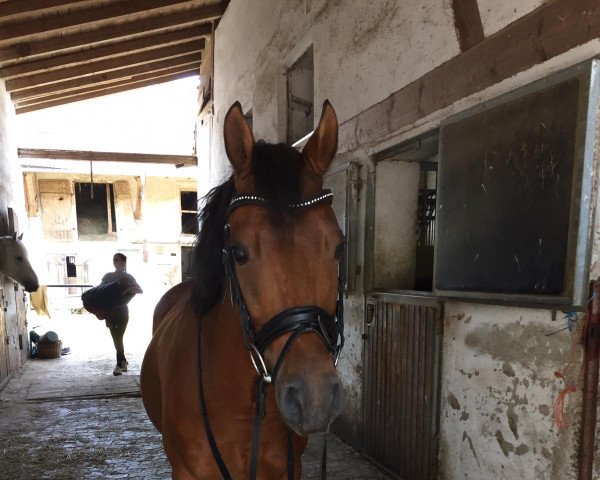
{"points": [[401, 383]]}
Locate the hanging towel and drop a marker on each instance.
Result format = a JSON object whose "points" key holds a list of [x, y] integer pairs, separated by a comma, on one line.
{"points": [[39, 301]]}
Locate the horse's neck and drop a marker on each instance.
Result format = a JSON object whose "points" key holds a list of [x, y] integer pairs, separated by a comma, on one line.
{"points": [[228, 362]]}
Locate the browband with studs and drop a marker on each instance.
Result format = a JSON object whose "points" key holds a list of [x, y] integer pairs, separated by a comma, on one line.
{"points": [[244, 199]]}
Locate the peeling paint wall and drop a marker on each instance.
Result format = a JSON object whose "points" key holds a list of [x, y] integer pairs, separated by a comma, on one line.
{"points": [[497, 383], [361, 55], [497, 395]]}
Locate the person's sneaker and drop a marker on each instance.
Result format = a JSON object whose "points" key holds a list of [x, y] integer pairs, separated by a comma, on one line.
{"points": [[124, 366], [117, 371]]}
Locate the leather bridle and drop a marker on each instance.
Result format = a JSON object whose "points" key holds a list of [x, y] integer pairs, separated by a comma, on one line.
{"points": [[296, 321]]}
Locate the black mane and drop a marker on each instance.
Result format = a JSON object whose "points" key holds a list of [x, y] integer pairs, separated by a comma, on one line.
{"points": [[277, 176]]}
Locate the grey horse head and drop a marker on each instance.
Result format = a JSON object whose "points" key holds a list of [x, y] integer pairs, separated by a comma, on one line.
{"points": [[15, 264]]}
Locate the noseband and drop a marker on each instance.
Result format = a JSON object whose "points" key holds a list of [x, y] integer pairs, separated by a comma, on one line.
{"points": [[296, 321]]}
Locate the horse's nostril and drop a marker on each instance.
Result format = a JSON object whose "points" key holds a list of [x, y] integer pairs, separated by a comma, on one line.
{"points": [[293, 401]]}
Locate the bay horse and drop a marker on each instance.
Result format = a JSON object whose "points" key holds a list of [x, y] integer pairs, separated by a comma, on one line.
{"points": [[266, 282], [14, 262]]}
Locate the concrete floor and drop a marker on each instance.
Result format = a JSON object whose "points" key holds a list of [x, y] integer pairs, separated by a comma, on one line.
{"points": [[69, 418]]}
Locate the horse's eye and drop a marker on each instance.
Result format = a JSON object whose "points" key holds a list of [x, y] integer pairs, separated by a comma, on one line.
{"points": [[339, 250], [239, 254], [20, 258]]}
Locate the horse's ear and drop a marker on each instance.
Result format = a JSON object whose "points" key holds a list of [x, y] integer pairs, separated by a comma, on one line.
{"points": [[239, 140], [322, 145], [20, 236]]}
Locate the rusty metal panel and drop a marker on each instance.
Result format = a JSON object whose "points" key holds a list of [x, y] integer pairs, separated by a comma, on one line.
{"points": [[401, 382]]}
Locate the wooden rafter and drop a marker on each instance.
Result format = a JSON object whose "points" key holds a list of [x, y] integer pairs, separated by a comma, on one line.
{"points": [[24, 51], [190, 70], [15, 29], [59, 51], [119, 63], [107, 78], [101, 53], [81, 155], [10, 8], [103, 92]]}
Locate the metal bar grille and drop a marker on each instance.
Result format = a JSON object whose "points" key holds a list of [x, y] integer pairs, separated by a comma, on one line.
{"points": [[400, 412]]}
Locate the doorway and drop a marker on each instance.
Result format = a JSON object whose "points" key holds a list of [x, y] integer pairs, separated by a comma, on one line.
{"points": [[403, 321]]}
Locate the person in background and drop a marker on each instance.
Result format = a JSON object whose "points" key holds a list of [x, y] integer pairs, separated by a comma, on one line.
{"points": [[117, 320]]}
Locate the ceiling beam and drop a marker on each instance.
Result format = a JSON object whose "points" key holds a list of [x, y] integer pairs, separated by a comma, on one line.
{"points": [[9, 8], [101, 53], [107, 78], [102, 93], [70, 42], [90, 156], [119, 63], [73, 87], [135, 82], [95, 15]]}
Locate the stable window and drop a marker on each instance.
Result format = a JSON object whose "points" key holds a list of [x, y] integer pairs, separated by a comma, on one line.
{"points": [[515, 194], [95, 207], [300, 98], [189, 213]]}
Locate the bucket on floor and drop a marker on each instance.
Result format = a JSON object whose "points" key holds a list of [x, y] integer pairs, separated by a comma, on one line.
{"points": [[49, 350]]}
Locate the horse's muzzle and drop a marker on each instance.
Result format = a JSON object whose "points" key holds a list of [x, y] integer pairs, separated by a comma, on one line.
{"points": [[310, 408]]}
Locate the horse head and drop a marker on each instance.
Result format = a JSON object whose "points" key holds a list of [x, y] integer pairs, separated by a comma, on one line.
{"points": [[15, 264], [284, 247]]}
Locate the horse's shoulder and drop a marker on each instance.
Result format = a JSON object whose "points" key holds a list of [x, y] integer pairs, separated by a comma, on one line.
{"points": [[179, 294]]}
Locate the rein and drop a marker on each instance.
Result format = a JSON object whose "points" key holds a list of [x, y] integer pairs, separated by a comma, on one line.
{"points": [[296, 320]]}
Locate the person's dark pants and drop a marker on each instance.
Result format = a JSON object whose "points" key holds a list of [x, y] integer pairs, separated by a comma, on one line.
{"points": [[117, 323]]}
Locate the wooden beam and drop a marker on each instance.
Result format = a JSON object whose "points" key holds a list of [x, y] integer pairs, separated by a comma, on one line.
{"points": [[29, 183], [552, 29], [70, 42], [57, 100], [119, 63], [101, 53], [81, 155], [10, 8], [193, 68], [467, 22], [106, 78], [16, 29]]}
